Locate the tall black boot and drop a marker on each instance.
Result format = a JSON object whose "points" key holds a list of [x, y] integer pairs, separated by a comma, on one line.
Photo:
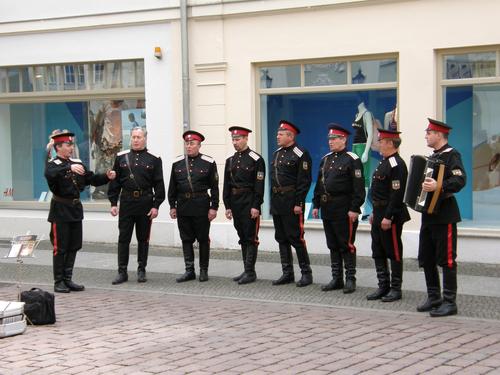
{"points": [[449, 305], [123, 255], [58, 266], [383, 279], [142, 261], [350, 272], [204, 259], [305, 267], [337, 272], [188, 252], [286, 265], [249, 276], [244, 256], [433, 289], [396, 281], [69, 263]]}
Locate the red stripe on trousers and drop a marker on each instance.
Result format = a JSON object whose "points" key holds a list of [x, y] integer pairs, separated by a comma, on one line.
{"points": [[301, 226], [352, 248], [257, 227], [450, 246], [54, 235], [395, 243]]}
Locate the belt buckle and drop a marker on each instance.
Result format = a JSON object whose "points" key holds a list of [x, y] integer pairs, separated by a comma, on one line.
{"points": [[136, 193], [275, 190], [324, 198], [188, 195], [76, 201]]}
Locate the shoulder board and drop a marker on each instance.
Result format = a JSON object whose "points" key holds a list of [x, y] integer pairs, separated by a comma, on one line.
{"points": [[122, 152], [392, 161], [56, 161], [156, 156], [298, 151], [254, 156], [447, 150], [327, 155], [178, 158], [75, 160], [352, 155], [207, 158]]}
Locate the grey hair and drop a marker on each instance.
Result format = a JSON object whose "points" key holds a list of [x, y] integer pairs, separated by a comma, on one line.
{"points": [[143, 130]]}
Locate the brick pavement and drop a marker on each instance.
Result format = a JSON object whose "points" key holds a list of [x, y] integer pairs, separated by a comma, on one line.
{"points": [[111, 331]]}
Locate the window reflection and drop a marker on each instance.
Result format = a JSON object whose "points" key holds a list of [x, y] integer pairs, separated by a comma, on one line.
{"points": [[470, 65], [374, 71]]}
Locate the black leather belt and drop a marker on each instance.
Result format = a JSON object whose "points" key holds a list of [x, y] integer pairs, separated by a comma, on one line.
{"points": [[283, 189], [135, 193], [380, 203], [236, 191], [73, 201], [196, 194]]}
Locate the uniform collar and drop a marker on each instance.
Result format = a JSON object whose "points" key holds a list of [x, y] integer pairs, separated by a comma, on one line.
{"points": [[343, 151], [140, 151], [391, 155], [442, 148]]}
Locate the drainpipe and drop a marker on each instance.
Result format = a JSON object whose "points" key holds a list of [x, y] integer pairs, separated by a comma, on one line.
{"points": [[185, 66]]}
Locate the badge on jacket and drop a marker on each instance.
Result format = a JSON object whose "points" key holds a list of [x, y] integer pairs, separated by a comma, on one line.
{"points": [[396, 185], [305, 166], [260, 176]]}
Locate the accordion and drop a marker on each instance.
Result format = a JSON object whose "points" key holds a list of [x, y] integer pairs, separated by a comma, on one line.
{"points": [[422, 167]]}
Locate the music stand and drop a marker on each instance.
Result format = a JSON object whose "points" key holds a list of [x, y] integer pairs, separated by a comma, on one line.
{"points": [[23, 246]]}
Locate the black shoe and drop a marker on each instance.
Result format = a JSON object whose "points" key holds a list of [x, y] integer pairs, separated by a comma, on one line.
{"points": [[247, 279], [73, 286], [188, 275], [141, 277], [237, 278], [285, 279], [446, 309], [305, 280], [60, 287], [429, 304], [350, 286], [392, 296], [378, 294], [203, 276], [333, 285], [120, 278]]}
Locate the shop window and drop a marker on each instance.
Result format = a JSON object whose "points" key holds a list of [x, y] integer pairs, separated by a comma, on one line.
{"points": [[325, 74], [3, 80], [469, 65], [69, 77], [280, 76], [14, 79], [374, 71]]}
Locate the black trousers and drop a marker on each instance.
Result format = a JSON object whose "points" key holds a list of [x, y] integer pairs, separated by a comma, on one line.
{"points": [[438, 245], [289, 230], [247, 228], [66, 236], [126, 225], [387, 244], [340, 234]]}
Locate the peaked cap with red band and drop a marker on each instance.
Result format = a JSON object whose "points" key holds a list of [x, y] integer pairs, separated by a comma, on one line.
{"points": [[438, 126], [287, 125], [191, 135], [239, 131], [387, 134], [65, 137], [335, 130]]}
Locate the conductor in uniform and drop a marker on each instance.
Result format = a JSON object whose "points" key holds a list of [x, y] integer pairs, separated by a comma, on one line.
{"points": [[438, 232], [243, 195], [67, 177], [338, 196], [140, 189], [290, 182], [389, 215], [193, 175]]}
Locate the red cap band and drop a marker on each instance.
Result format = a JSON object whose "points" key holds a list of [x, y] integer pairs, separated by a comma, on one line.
{"points": [[62, 138], [192, 137], [239, 132], [284, 126], [438, 128], [337, 132], [384, 135]]}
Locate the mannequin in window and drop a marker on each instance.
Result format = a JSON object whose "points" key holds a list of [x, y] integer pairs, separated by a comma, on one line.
{"points": [[363, 136], [391, 120]]}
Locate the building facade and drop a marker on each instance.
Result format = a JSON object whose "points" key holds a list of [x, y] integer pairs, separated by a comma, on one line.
{"points": [[95, 69]]}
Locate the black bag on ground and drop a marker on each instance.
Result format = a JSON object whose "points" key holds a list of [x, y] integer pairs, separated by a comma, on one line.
{"points": [[39, 306]]}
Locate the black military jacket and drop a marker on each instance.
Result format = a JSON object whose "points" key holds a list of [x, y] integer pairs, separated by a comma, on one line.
{"points": [[192, 199], [244, 171], [388, 188], [290, 179], [340, 186], [138, 184], [65, 184], [454, 180]]}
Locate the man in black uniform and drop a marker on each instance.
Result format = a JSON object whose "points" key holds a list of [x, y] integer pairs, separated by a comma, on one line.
{"points": [[243, 195], [290, 182], [389, 215], [139, 187], [438, 233], [192, 175], [340, 193], [66, 178]]}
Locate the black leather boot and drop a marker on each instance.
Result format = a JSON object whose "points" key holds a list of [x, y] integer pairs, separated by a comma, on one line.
{"points": [[433, 289], [249, 276], [123, 254], [244, 256], [204, 259], [69, 263], [305, 267], [396, 281], [142, 261], [383, 280], [350, 272], [286, 265], [188, 252], [337, 281], [58, 267], [449, 305]]}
